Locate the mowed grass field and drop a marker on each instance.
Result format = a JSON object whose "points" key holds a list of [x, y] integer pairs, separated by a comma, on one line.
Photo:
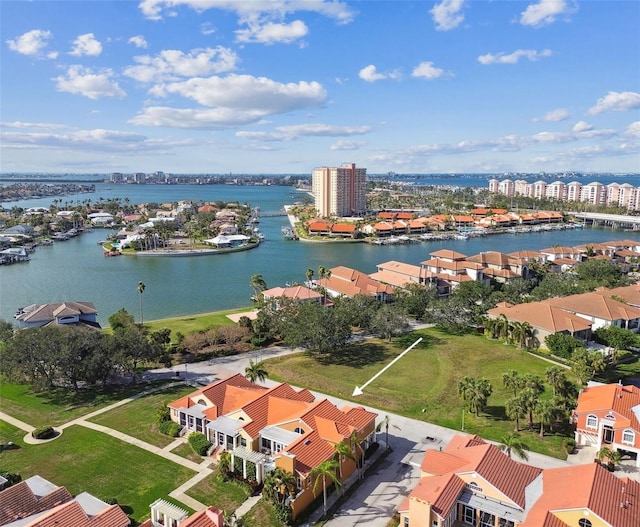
{"points": [[424, 383], [85, 460], [192, 323]]}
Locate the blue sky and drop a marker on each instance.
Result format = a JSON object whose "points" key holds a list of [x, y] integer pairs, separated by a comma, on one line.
{"points": [[279, 86]]}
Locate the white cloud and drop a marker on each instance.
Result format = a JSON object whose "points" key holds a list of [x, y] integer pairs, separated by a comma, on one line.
{"points": [[84, 81], [348, 145], [633, 130], [335, 9], [270, 33], [427, 70], [448, 14], [293, 132], [545, 12], [86, 45], [207, 29], [618, 101], [171, 64], [582, 126], [32, 126], [370, 74], [554, 116], [30, 43], [138, 41], [513, 58], [205, 119]]}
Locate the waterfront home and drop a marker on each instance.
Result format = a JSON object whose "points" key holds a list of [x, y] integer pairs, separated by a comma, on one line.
{"points": [[344, 281], [59, 313], [36, 502], [299, 293], [453, 267], [232, 240], [601, 310], [629, 294], [500, 266], [553, 253], [280, 427], [608, 415], [474, 483]]}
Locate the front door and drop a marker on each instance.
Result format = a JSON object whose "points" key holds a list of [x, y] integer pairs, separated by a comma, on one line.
{"points": [[607, 435]]}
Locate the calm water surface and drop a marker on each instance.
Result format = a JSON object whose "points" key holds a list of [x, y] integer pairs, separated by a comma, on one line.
{"points": [[77, 270]]}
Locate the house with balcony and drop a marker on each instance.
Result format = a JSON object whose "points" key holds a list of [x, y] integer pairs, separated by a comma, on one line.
{"points": [[280, 427], [608, 415], [452, 267]]}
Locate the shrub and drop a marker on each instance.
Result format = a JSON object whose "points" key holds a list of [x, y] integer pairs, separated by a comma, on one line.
{"points": [[561, 344], [163, 414], [199, 443], [45, 432], [169, 428], [569, 445]]}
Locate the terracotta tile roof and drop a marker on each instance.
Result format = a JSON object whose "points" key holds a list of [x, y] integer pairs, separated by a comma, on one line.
{"points": [[209, 517], [463, 219], [386, 215], [560, 250], [630, 294], [413, 271], [383, 226], [441, 491], [71, 514], [350, 282], [491, 258], [310, 450], [298, 292], [501, 273], [278, 404], [391, 278], [347, 228], [456, 265], [448, 254], [19, 501], [404, 215], [566, 261], [594, 489], [542, 315], [600, 306], [603, 398], [319, 226], [526, 254]]}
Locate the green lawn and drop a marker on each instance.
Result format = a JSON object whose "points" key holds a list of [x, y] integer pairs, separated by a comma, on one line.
{"points": [[262, 514], [85, 460], [225, 495], [423, 384], [138, 418], [186, 451], [56, 406], [192, 323]]}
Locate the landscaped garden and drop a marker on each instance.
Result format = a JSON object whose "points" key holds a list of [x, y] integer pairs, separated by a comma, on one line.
{"points": [[85, 460], [424, 384]]}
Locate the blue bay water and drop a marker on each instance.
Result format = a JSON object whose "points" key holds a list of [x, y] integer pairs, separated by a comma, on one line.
{"points": [[180, 286]]}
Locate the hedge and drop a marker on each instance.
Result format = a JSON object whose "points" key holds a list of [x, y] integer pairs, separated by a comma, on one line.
{"points": [[199, 443], [45, 432], [169, 428]]}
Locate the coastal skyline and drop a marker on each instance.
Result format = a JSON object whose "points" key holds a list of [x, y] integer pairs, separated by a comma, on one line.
{"points": [[276, 86]]}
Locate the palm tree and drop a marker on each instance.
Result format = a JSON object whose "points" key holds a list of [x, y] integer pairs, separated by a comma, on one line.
{"points": [[521, 333], [546, 410], [256, 371], [555, 377], [323, 272], [141, 288], [515, 409], [355, 442], [343, 452], [309, 275], [326, 469], [258, 285], [512, 381], [278, 485], [513, 443], [502, 327]]}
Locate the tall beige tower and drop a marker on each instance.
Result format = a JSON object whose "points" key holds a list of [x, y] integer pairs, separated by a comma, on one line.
{"points": [[340, 191]]}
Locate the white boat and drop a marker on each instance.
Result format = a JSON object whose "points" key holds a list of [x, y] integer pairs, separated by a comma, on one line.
{"points": [[461, 236]]}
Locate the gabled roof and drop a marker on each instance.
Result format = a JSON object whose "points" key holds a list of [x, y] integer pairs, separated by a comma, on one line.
{"points": [[45, 312], [29, 497], [630, 294], [297, 292], [72, 514], [491, 258], [592, 488], [542, 315], [350, 282], [448, 254], [611, 397], [596, 305]]}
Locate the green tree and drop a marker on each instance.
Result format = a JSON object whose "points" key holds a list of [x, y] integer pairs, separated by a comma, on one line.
{"points": [[562, 344], [309, 275], [600, 273], [120, 319], [587, 364], [522, 334], [513, 443], [258, 285], [279, 485], [415, 299], [141, 287], [358, 311], [256, 371], [512, 381], [475, 392], [343, 452], [320, 474], [555, 377], [389, 321], [515, 409], [547, 411]]}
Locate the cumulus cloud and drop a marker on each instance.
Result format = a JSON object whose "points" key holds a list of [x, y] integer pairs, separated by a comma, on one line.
{"points": [[513, 58], [271, 33], [335, 9], [616, 101], [348, 145], [582, 126], [171, 64], [293, 132], [448, 14], [30, 43], [232, 101], [554, 116], [138, 41], [86, 45], [633, 130], [84, 81], [370, 74], [546, 12], [427, 70], [31, 126]]}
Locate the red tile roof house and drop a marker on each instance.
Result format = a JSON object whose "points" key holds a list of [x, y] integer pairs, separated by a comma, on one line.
{"points": [[472, 482], [609, 415], [36, 502], [453, 267], [265, 428], [345, 281], [299, 293]]}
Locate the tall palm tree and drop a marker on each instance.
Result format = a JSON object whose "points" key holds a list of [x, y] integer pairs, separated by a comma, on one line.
{"points": [[546, 411], [141, 287], [555, 377], [278, 485], [256, 371], [343, 452], [513, 443], [322, 472], [521, 333], [309, 275], [323, 272], [516, 410], [357, 449], [512, 381], [502, 327], [258, 285]]}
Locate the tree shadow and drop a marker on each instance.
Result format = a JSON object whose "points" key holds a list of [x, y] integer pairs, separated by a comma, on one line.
{"points": [[356, 355], [428, 341], [497, 413]]}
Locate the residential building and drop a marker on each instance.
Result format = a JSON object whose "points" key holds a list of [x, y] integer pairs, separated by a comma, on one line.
{"points": [[297, 293], [339, 191], [36, 502], [474, 483], [279, 427], [344, 281], [453, 267], [601, 310], [608, 415], [58, 314]]}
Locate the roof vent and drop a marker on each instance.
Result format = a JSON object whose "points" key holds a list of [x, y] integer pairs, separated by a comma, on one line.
{"points": [[307, 442]]}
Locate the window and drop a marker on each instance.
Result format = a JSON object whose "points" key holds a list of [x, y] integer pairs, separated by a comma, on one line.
{"points": [[243, 442], [487, 520], [583, 522], [629, 436], [299, 430], [592, 421], [434, 523], [202, 402], [505, 523], [298, 483], [406, 522]]}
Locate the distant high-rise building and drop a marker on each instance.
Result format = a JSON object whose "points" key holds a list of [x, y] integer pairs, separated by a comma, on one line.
{"points": [[340, 191]]}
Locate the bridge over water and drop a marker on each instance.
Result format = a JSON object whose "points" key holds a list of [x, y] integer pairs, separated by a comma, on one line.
{"points": [[615, 221]]}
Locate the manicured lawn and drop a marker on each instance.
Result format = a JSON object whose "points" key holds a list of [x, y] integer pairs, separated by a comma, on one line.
{"points": [[191, 323], [85, 460], [423, 384], [262, 514], [225, 495], [186, 451], [56, 406], [138, 418]]}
